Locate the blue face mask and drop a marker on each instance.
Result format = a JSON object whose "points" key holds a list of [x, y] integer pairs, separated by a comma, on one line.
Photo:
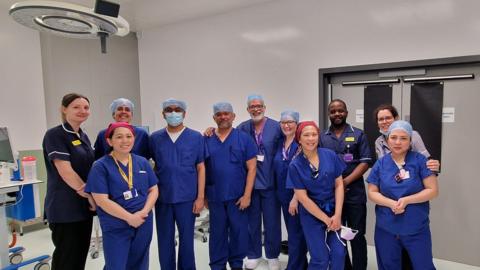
{"points": [[174, 119]]}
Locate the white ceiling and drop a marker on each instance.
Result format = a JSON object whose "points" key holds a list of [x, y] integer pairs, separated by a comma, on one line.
{"points": [[143, 14]]}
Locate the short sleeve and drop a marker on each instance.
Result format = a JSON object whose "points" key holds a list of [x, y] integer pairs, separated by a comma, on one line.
{"points": [[294, 180], [251, 148], [55, 146], [202, 152], [365, 155], [374, 176], [339, 165], [152, 178], [424, 170], [97, 179]]}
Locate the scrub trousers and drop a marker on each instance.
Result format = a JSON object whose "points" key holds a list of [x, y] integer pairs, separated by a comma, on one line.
{"points": [[166, 215], [228, 235], [389, 249], [297, 247], [128, 248], [72, 242], [264, 205], [327, 250], [354, 215]]}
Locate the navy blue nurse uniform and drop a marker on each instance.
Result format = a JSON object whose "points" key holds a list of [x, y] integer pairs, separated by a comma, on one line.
{"points": [[65, 210], [226, 177], [297, 247], [140, 147], [264, 202], [175, 167], [327, 250], [125, 247], [410, 230], [352, 148]]}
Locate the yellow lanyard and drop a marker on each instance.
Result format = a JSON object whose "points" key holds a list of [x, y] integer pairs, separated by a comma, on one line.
{"points": [[128, 179]]}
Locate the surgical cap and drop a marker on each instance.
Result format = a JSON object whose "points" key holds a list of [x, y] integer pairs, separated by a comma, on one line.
{"points": [[111, 128], [121, 102], [174, 102], [303, 125], [401, 125], [222, 107], [289, 115], [254, 97]]}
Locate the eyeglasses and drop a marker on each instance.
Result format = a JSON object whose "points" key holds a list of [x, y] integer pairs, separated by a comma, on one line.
{"points": [[385, 119], [125, 109], [256, 107], [288, 123], [176, 109]]}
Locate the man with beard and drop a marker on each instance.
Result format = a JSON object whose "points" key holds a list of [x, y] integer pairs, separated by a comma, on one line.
{"points": [[230, 176], [351, 146], [267, 135]]}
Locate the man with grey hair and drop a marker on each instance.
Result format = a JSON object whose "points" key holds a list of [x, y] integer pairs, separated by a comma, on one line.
{"points": [[179, 154], [230, 176], [122, 111], [267, 135]]}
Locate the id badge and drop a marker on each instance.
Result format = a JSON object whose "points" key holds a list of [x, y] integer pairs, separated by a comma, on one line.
{"points": [[406, 175], [260, 158], [127, 195], [348, 157]]}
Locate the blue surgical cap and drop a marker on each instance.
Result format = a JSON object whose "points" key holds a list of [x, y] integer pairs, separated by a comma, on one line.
{"points": [[174, 102], [289, 115], [121, 102], [254, 97], [401, 125], [222, 107]]}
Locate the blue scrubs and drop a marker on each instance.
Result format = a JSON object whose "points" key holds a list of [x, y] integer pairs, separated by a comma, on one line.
{"points": [[297, 247], [140, 147], [226, 177], [352, 148], [327, 251], [264, 202], [67, 213], [124, 247], [175, 167], [409, 230]]}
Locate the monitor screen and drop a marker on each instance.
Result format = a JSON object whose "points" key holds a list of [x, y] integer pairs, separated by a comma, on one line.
{"points": [[6, 153]]}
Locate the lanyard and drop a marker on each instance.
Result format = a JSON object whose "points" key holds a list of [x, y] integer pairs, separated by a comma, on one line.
{"points": [[128, 179], [286, 151]]}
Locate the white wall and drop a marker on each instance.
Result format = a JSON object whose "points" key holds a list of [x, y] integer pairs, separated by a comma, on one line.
{"points": [[277, 48], [22, 102]]}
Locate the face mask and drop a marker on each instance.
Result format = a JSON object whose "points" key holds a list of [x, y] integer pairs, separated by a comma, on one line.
{"points": [[174, 119], [384, 133], [347, 233]]}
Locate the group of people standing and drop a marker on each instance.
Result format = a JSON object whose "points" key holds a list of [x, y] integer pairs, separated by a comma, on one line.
{"points": [[245, 176]]}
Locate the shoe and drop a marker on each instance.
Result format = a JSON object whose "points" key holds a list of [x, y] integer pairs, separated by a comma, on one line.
{"points": [[273, 264], [251, 264]]}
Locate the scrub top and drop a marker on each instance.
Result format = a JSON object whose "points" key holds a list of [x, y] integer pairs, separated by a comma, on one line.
{"points": [[105, 178], [352, 142], [267, 144], [62, 203], [415, 218], [176, 164], [282, 159], [140, 147], [417, 145], [322, 188], [226, 174]]}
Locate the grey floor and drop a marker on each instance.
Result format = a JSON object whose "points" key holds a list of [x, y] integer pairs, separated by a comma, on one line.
{"points": [[37, 242]]}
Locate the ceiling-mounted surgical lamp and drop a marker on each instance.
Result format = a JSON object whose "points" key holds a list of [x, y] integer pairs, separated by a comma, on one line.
{"points": [[69, 20]]}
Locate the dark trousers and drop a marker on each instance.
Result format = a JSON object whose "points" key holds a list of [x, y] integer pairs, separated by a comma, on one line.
{"points": [[72, 242], [355, 217]]}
